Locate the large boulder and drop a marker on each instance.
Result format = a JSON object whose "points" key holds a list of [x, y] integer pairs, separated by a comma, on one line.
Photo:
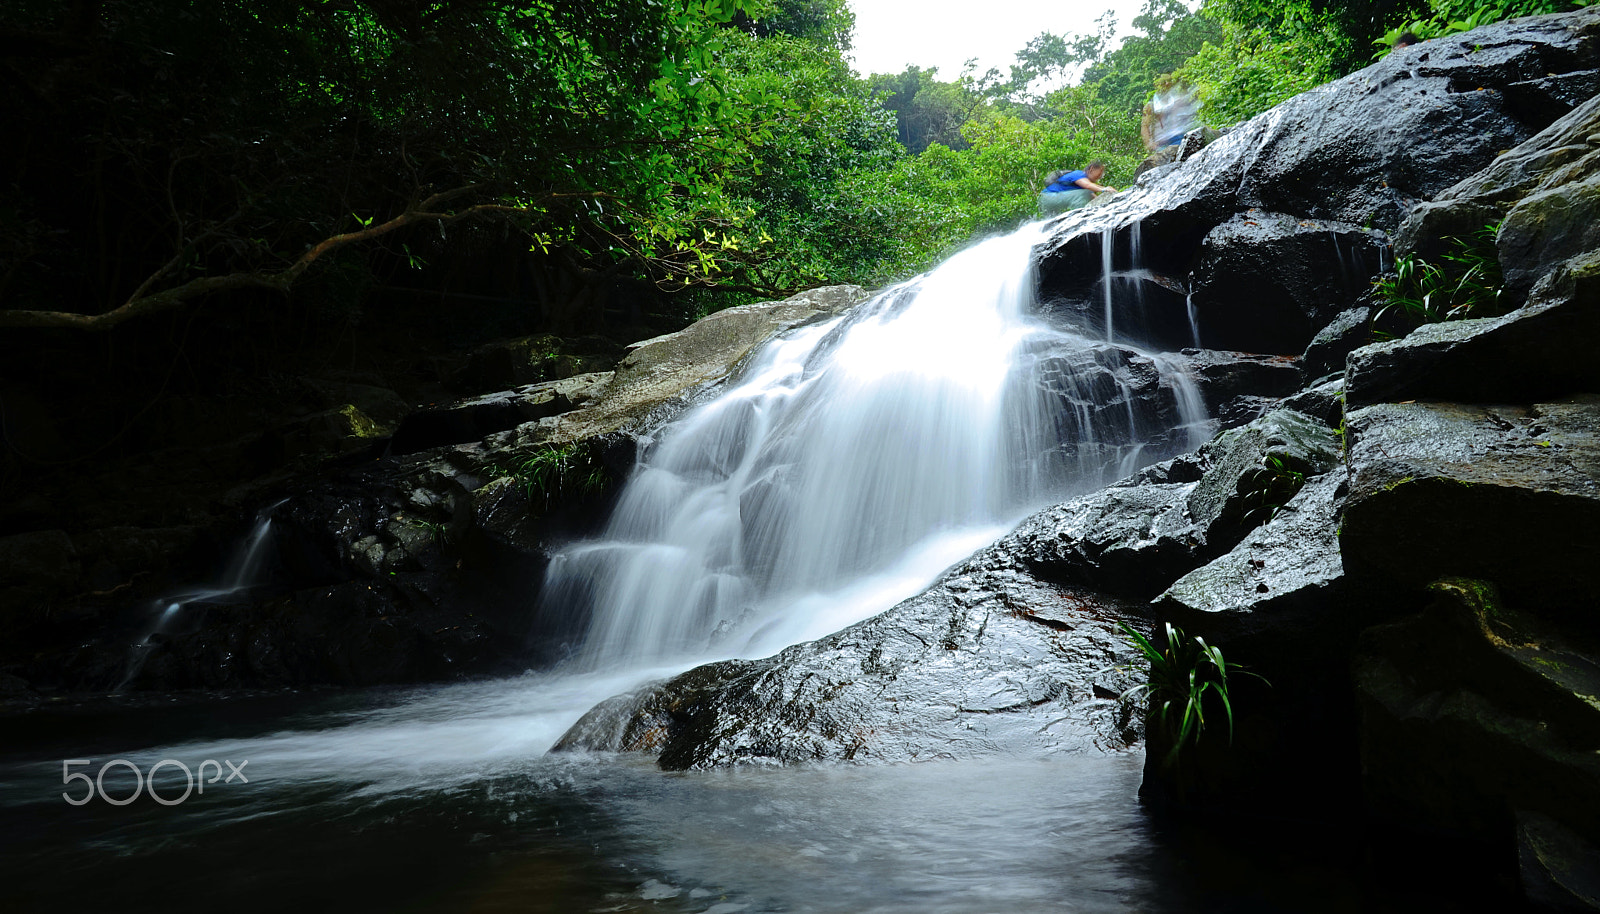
{"points": [[1480, 726], [1544, 349], [988, 661], [1543, 190], [419, 565], [1296, 274], [1508, 494]]}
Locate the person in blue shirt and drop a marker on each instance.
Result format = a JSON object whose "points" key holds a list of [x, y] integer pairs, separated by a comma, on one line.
{"points": [[1073, 189]]}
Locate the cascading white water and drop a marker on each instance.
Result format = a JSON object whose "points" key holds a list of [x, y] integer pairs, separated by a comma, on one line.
{"points": [[242, 573], [1107, 240], [854, 461]]}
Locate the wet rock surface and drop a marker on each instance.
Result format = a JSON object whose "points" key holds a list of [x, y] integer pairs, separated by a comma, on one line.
{"points": [[1356, 154], [1297, 274], [988, 661], [1016, 650], [1508, 494], [1481, 721]]}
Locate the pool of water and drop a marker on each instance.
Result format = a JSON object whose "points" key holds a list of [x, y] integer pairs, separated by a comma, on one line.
{"points": [[446, 799]]}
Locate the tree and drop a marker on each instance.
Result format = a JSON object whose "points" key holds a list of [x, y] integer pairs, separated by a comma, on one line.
{"points": [[187, 148]]}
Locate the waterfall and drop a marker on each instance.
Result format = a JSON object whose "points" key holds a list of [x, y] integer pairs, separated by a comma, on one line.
{"points": [[1194, 316], [853, 460], [242, 574], [1108, 237]]}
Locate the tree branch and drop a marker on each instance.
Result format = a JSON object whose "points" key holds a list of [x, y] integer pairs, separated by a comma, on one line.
{"points": [[144, 302]]}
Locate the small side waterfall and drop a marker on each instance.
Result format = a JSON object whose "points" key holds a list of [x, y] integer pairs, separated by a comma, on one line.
{"points": [[1108, 240], [243, 572], [857, 458]]}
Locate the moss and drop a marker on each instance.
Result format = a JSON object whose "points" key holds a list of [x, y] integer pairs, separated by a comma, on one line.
{"points": [[362, 425], [1481, 600]]}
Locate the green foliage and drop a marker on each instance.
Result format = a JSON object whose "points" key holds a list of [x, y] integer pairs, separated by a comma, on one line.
{"points": [[903, 220], [1452, 16], [1182, 676], [1466, 283], [1268, 488], [1239, 79], [556, 475], [1169, 35], [926, 110], [176, 139], [1269, 51]]}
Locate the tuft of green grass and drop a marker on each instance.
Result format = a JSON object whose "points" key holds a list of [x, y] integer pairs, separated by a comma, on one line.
{"points": [[1466, 283], [557, 474], [1268, 488], [1182, 677]]}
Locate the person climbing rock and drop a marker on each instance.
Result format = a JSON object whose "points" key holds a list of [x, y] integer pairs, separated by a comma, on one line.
{"points": [[1073, 189]]}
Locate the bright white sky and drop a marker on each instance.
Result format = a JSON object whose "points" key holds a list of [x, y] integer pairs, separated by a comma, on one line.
{"points": [[890, 34]]}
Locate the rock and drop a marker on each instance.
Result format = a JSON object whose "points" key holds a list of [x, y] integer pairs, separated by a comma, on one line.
{"points": [[659, 371], [1543, 350], [1551, 158], [1503, 493], [1133, 539], [1124, 540], [1471, 711], [1243, 410], [533, 360], [1550, 97], [1249, 466], [355, 633], [1558, 869], [1362, 151], [1325, 402], [1284, 577], [1326, 354], [1224, 376], [36, 568], [1114, 404], [1268, 282], [1550, 227], [988, 661], [476, 418]]}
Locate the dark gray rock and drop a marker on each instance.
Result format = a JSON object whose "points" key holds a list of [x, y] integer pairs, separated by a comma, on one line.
{"points": [[989, 661], [1325, 402], [1347, 332], [1279, 605], [1359, 152], [1133, 539], [1285, 575], [1125, 540], [1227, 376], [1506, 494], [1114, 404], [1543, 350], [1559, 870], [1552, 169], [1268, 282], [1243, 462], [476, 418], [1479, 721], [1243, 410], [1550, 97]]}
